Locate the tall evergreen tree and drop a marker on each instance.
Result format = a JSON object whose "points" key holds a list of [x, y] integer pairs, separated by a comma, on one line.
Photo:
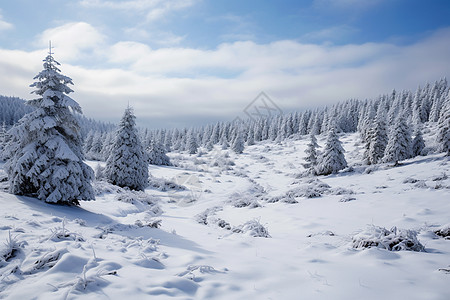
{"points": [[238, 142], [191, 142], [443, 136], [418, 144], [3, 138], [251, 135], [311, 155], [127, 164], [156, 154], [399, 146], [45, 157], [376, 140], [332, 159]]}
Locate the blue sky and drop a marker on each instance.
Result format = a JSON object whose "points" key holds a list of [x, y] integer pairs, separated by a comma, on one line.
{"points": [[188, 62]]}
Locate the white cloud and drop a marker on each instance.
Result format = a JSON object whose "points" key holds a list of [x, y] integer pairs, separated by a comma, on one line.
{"points": [[5, 25], [174, 86], [72, 41]]}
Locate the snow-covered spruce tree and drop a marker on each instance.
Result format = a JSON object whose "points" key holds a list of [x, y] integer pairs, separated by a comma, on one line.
{"points": [[127, 164], [191, 142], [332, 159], [238, 142], [45, 157], [250, 136], [157, 155], [418, 144], [3, 139], [443, 136], [311, 155], [399, 146], [224, 143], [377, 140]]}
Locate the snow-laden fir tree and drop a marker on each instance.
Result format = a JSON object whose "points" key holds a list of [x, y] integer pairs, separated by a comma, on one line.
{"points": [[332, 159], [127, 164], [399, 146], [250, 136], [45, 157], [376, 140], [238, 143], [224, 143], [95, 152], [156, 154], [191, 142], [311, 155], [3, 139], [418, 144], [443, 136]]}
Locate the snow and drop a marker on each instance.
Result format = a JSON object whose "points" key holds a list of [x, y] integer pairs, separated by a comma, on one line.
{"points": [[108, 249]]}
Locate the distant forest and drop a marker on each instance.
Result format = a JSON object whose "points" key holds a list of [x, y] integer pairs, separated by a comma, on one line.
{"points": [[427, 104]]}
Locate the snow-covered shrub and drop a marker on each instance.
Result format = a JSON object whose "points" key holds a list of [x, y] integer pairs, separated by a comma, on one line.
{"points": [[139, 197], [421, 184], [340, 191], [289, 199], [392, 240], [102, 187], [202, 217], [444, 231], [253, 228], [410, 180], [164, 185], [223, 161], [46, 261], [370, 169], [240, 200], [312, 189], [151, 224], [442, 176], [347, 198], [195, 272], [223, 224], [62, 233], [10, 248]]}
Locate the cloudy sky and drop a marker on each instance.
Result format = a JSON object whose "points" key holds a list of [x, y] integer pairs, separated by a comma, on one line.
{"points": [[189, 62]]}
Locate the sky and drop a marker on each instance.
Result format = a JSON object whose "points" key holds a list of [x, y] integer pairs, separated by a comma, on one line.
{"points": [[183, 63]]}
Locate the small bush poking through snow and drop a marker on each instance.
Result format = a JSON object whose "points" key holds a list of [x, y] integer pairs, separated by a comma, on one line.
{"points": [[444, 231], [102, 187], [11, 247], [62, 233], [347, 198], [164, 185], [240, 200], [208, 217], [253, 228], [392, 240], [139, 197]]}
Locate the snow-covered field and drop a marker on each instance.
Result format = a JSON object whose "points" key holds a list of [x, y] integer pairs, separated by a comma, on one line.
{"points": [[205, 247]]}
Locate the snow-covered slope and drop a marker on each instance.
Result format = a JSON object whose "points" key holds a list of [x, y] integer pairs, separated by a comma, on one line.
{"points": [[206, 247]]}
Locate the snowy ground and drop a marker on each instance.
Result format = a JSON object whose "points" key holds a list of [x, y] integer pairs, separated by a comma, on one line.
{"points": [[106, 249]]}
